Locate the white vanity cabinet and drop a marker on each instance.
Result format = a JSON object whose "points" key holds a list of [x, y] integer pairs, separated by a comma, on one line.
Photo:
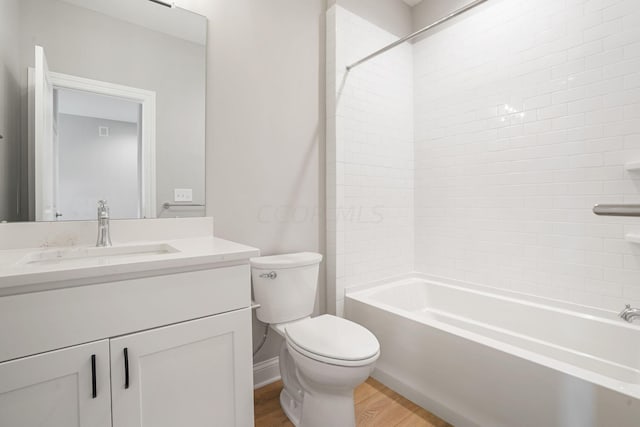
{"points": [[62, 388], [188, 362], [182, 375]]}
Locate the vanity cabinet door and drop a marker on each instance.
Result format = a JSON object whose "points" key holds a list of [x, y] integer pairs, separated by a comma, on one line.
{"points": [[62, 388], [196, 374]]}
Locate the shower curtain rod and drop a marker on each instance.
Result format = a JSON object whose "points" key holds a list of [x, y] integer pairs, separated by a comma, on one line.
{"points": [[417, 33]]}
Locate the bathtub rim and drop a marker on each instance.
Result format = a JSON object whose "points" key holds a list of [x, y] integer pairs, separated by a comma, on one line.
{"points": [[363, 294], [556, 303]]}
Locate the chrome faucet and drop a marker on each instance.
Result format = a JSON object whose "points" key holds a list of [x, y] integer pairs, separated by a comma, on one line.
{"points": [[629, 313], [104, 236]]}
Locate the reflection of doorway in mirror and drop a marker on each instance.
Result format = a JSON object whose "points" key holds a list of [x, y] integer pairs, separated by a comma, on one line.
{"points": [[92, 141], [98, 155]]}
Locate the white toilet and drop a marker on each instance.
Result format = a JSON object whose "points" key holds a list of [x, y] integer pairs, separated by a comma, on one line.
{"points": [[322, 359]]}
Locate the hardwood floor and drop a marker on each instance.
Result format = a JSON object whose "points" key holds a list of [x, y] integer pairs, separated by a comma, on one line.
{"points": [[376, 405]]}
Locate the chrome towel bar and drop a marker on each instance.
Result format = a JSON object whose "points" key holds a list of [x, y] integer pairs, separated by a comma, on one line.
{"points": [[168, 205], [617, 210]]}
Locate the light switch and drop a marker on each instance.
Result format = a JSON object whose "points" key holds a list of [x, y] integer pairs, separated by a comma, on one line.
{"points": [[183, 195]]}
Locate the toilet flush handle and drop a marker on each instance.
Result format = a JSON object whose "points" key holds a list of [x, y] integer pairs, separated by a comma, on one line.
{"points": [[271, 275]]}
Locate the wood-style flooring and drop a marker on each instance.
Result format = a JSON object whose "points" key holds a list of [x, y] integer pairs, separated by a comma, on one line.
{"points": [[376, 405]]}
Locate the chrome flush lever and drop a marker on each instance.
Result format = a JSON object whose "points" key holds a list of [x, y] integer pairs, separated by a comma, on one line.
{"points": [[271, 275]]}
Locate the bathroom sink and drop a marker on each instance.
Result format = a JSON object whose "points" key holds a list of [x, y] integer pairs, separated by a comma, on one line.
{"points": [[95, 255]]}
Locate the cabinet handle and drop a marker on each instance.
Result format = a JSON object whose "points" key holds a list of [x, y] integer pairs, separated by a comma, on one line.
{"points": [[94, 382], [126, 368]]}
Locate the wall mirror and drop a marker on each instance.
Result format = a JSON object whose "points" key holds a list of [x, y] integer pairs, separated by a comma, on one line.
{"points": [[101, 100]]}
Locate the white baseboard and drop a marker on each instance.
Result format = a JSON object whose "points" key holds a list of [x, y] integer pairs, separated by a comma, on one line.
{"points": [[266, 372]]}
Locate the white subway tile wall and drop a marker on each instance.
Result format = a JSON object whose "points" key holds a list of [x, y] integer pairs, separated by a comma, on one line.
{"points": [[525, 115], [369, 155], [478, 152]]}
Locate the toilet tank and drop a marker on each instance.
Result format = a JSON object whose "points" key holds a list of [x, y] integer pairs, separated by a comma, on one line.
{"points": [[285, 285]]}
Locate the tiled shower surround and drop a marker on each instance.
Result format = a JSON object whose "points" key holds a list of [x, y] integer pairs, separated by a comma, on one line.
{"points": [[523, 115], [526, 112], [369, 157]]}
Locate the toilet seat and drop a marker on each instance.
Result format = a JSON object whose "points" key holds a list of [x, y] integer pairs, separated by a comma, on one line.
{"points": [[330, 361], [333, 340]]}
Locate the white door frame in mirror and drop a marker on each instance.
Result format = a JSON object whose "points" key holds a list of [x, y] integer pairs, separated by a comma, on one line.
{"points": [[45, 153], [147, 100]]}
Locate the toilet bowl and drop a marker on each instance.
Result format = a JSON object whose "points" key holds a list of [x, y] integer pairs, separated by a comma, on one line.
{"points": [[322, 359]]}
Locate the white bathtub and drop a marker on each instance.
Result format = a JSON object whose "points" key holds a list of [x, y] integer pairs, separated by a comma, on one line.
{"points": [[478, 356]]}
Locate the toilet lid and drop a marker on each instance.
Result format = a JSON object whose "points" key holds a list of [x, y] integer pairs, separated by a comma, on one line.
{"points": [[277, 262], [334, 338]]}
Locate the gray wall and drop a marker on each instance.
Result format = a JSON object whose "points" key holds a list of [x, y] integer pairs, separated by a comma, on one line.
{"points": [[266, 121], [119, 53], [93, 167], [393, 16], [265, 126], [430, 11], [9, 111]]}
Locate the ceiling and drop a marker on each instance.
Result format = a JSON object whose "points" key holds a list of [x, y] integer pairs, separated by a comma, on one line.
{"points": [[412, 2], [86, 104], [173, 21]]}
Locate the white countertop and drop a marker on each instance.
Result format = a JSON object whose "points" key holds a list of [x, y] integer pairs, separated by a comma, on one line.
{"points": [[18, 277]]}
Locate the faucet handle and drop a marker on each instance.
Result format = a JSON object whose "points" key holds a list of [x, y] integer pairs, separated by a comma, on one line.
{"points": [[103, 209], [623, 312]]}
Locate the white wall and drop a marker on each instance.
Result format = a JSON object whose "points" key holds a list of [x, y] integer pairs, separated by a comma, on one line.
{"points": [[118, 52], [93, 167], [9, 111], [265, 126], [369, 156], [526, 113]]}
